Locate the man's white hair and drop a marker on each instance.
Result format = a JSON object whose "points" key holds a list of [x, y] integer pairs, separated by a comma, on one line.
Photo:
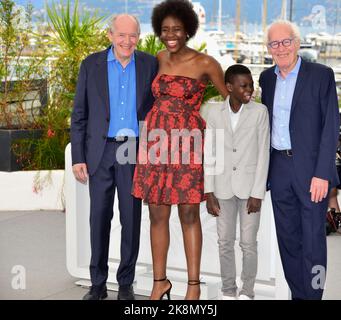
{"points": [[113, 18], [293, 27]]}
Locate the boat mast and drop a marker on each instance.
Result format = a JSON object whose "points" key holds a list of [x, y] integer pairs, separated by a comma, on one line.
{"points": [[219, 16], [284, 10], [264, 18], [237, 17], [236, 34], [290, 10]]}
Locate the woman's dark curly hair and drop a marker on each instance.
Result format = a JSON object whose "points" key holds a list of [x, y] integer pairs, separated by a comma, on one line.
{"points": [[180, 9]]}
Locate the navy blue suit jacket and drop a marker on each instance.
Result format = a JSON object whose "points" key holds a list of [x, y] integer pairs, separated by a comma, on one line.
{"points": [[314, 121], [91, 112]]}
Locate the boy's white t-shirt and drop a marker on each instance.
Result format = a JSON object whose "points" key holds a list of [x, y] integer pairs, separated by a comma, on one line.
{"points": [[234, 116]]}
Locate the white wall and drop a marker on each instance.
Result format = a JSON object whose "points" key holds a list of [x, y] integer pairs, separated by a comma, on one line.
{"points": [[20, 190]]}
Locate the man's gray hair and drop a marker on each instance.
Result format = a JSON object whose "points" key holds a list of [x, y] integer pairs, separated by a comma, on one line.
{"points": [[112, 19], [293, 27]]}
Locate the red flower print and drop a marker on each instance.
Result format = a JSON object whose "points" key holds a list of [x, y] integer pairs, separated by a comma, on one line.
{"points": [[177, 104]]}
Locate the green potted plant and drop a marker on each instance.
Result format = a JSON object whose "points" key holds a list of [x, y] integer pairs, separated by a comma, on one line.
{"points": [[72, 37], [23, 86]]}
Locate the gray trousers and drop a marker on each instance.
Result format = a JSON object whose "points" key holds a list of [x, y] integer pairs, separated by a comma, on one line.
{"points": [[226, 227]]}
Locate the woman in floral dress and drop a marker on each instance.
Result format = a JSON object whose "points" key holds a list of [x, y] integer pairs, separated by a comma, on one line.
{"points": [[169, 170]]}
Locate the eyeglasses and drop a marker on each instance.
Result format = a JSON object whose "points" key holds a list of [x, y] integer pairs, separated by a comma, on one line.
{"points": [[284, 42]]}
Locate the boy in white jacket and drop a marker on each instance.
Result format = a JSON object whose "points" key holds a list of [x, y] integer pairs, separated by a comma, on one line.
{"points": [[241, 186]]}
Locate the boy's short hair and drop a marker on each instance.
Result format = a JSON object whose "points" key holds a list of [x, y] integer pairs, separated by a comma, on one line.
{"points": [[235, 70]]}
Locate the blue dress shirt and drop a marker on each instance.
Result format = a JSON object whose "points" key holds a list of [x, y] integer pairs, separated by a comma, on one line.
{"points": [[285, 87], [122, 97]]}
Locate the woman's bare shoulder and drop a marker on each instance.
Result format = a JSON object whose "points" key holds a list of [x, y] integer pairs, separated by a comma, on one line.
{"points": [[206, 60]]}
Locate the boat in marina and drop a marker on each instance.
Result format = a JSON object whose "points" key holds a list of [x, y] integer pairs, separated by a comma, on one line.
{"points": [[229, 49], [251, 49]]}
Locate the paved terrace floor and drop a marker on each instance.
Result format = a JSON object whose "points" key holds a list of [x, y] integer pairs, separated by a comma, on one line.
{"points": [[36, 241]]}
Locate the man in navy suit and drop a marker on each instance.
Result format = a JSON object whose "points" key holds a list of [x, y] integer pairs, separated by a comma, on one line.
{"points": [[304, 117], [113, 95]]}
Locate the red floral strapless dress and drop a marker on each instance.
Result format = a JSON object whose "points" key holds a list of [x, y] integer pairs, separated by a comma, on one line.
{"points": [[169, 168]]}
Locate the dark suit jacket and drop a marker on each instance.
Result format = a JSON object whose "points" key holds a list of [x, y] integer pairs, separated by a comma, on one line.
{"points": [[314, 121], [91, 111]]}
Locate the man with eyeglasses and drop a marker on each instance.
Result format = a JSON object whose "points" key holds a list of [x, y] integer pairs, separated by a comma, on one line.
{"points": [[113, 95], [304, 118]]}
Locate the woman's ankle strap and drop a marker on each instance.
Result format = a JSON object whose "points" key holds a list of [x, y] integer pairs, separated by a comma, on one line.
{"points": [[163, 279], [193, 282]]}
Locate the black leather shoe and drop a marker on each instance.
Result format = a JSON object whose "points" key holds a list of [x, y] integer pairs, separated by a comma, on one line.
{"points": [[96, 294], [126, 293]]}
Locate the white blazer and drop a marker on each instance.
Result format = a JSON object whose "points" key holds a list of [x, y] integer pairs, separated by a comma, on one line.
{"points": [[243, 170]]}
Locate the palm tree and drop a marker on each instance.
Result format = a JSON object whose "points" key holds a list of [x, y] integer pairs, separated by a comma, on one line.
{"points": [[150, 44], [70, 29], [74, 37]]}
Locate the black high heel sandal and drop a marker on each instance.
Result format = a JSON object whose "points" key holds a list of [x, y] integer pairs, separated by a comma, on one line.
{"points": [[167, 292]]}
